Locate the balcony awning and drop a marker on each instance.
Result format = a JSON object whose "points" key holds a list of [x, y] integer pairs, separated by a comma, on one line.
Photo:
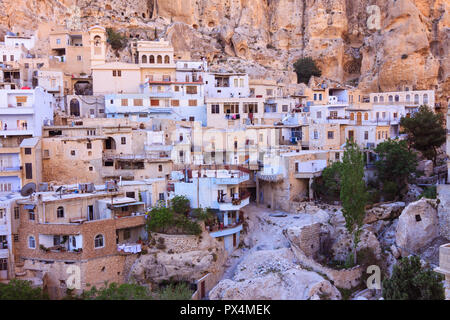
{"points": [[29, 206], [127, 204]]}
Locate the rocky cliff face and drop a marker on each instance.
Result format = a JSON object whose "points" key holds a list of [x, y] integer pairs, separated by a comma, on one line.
{"points": [[264, 37]]}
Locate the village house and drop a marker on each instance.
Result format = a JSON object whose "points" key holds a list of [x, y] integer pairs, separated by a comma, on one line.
{"points": [[220, 191], [94, 234], [23, 113]]}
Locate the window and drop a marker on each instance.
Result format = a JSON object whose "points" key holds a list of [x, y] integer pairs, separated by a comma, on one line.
{"points": [[395, 115], [231, 108], [126, 234], [330, 134], [284, 108], [60, 212], [251, 107], [315, 96], [159, 59], [241, 82], [176, 88], [130, 194], [333, 114], [99, 241], [123, 140], [319, 114], [416, 99], [27, 150], [191, 90], [79, 58], [366, 116], [28, 171], [351, 135], [91, 132], [296, 167], [124, 102], [152, 59], [192, 103], [316, 134], [161, 196], [31, 242], [138, 102], [16, 213], [72, 152], [336, 156], [397, 98], [384, 115], [320, 96], [352, 116], [160, 168], [269, 92], [175, 103], [191, 118], [154, 103], [58, 41], [16, 238], [119, 73], [366, 135], [425, 99], [144, 59], [56, 240], [91, 112], [89, 145], [375, 99]]}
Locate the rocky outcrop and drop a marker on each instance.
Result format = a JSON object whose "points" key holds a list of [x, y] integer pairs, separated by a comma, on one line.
{"points": [[417, 226], [180, 257], [385, 211], [270, 274], [409, 47], [413, 193], [443, 191]]}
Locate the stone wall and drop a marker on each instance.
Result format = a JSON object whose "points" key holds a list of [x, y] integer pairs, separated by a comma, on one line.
{"points": [[346, 278]]}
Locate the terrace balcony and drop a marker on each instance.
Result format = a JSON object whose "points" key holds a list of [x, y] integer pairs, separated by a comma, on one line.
{"points": [[217, 231], [234, 204], [310, 169]]}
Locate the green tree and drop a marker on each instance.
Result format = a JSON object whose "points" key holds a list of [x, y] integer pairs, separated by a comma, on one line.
{"points": [[426, 131], [115, 39], [160, 219], [115, 291], [353, 192], [305, 68], [329, 185], [180, 204], [21, 290], [411, 281], [395, 164]]}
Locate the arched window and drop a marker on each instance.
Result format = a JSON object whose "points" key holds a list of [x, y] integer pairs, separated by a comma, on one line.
{"points": [[366, 116], [31, 242], [352, 116], [152, 59], [166, 59], [74, 107], [382, 99], [159, 59], [397, 98], [391, 98], [97, 40], [416, 99], [99, 241], [425, 98], [144, 59], [60, 212], [375, 99], [408, 98]]}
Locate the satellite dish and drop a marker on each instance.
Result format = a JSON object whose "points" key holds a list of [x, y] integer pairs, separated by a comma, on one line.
{"points": [[60, 191], [28, 189]]}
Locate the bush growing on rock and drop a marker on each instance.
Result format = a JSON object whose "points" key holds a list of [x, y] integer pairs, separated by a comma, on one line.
{"points": [[180, 204], [305, 68], [411, 281], [20, 290]]}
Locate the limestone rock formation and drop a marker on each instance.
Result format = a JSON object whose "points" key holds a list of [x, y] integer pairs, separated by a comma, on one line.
{"points": [[184, 257], [270, 274], [417, 226], [408, 47], [384, 212]]}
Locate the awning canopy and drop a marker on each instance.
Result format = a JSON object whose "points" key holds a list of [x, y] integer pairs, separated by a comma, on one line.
{"points": [[127, 204]]}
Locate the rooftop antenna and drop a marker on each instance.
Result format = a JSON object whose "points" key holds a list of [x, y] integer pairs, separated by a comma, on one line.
{"points": [[28, 189], [60, 191]]}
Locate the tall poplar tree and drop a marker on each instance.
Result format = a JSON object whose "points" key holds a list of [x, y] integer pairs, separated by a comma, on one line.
{"points": [[353, 192]]}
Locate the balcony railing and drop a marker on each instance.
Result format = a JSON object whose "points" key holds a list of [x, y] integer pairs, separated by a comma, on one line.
{"points": [[10, 169]]}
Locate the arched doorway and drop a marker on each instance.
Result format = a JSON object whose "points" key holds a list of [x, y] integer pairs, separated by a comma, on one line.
{"points": [[110, 144], [74, 108], [358, 118]]}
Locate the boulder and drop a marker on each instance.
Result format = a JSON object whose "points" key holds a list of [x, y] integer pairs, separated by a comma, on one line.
{"points": [[384, 212], [417, 226], [413, 193], [426, 166]]}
